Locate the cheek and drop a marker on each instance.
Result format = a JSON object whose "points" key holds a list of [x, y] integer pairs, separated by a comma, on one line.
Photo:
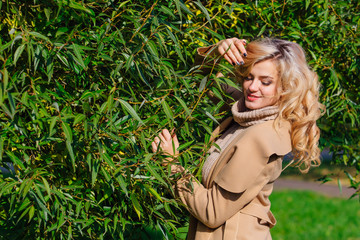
{"points": [[244, 85], [270, 91]]}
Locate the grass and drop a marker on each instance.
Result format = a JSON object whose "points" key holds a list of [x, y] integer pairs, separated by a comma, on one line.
{"points": [[333, 173], [307, 215]]}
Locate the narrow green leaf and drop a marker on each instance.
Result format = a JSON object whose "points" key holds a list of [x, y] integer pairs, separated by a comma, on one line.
{"points": [[47, 12], [52, 124], [5, 78], [167, 11], [107, 159], [217, 93], [79, 118], [203, 9], [27, 187], [94, 171], [203, 83], [31, 212], [12, 104], [80, 7], [7, 188], [60, 31], [167, 110], [78, 208], [262, 30], [339, 185], [71, 153], [69, 232], [47, 187], [67, 131], [2, 140], [129, 61], [60, 220], [38, 35], [119, 178], [130, 110], [185, 8], [7, 111], [23, 214], [15, 159], [5, 46], [79, 57], [154, 173], [136, 205], [163, 231], [39, 193], [178, 7], [142, 76], [153, 192], [211, 116], [18, 53], [123, 3], [214, 34], [63, 59], [185, 145], [106, 174]]}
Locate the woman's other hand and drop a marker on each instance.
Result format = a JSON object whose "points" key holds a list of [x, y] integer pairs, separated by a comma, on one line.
{"points": [[166, 141], [232, 49]]}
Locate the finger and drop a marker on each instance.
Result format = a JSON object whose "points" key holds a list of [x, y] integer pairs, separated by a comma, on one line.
{"points": [[154, 147], [162, 138], [166, 134], [237, 54], [240, 45], [156, 142], [229, 60], [233, 58], [224, 50], [233, 52], [175, 139]]}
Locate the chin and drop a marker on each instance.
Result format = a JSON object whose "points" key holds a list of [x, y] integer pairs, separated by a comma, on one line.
{"points": [[255, 105], [252, 105]]}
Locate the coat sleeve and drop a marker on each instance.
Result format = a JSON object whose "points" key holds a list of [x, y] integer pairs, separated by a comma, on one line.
{"points": [[239, 182]]}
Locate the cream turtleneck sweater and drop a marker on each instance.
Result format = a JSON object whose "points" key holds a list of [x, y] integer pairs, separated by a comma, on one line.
{"points": [[243, 119]]}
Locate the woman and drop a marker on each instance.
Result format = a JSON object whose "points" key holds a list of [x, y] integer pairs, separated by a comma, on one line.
{"points": [[275, 114]]}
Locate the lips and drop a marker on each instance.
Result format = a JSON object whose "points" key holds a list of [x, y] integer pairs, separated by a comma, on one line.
{"points": [[252, 97]]}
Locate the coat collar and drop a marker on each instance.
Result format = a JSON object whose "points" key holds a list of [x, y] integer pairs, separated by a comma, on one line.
{"points": [[223, 125]]}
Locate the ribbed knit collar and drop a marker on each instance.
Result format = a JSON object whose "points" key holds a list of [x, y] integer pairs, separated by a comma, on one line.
{"points": [[248, 118]]}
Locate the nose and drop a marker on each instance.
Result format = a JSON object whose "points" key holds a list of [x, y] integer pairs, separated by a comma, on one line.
{"points": [[254, 86]]}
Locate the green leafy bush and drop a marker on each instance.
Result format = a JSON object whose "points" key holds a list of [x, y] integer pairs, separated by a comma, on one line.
{"points": [[86, 85]]}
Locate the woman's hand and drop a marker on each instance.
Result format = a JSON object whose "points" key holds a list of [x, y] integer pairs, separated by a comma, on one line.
{"points": [[166, 141], [232, 49]]}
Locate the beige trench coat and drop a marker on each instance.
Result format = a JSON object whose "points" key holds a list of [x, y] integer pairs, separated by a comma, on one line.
{"points": [[233, 203]]}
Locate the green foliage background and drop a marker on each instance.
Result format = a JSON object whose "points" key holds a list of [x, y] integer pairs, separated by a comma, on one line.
{"points": [[86, 85]]}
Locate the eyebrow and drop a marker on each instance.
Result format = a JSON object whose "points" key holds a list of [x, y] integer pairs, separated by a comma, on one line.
{"points": [[266, 77], [263, 77]]}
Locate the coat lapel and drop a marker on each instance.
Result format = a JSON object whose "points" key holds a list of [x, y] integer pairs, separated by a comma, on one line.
{"points": [[223, 125]]}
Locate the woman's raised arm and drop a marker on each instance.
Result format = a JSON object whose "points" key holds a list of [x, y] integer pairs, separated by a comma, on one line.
{"points": [[232, 50]]}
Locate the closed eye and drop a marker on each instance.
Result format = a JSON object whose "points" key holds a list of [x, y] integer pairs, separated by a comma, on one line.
{"points": [[266, 83], [248, 78]]}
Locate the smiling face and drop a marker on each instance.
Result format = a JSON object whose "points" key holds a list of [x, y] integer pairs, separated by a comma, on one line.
{"points": [[260, 87]]}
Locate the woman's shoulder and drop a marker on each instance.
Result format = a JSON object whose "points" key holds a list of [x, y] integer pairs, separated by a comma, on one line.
{"points": [[270, 137], [272, 127]]}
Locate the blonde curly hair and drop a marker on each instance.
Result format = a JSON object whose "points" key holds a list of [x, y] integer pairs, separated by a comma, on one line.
{"points": [[298, 95]]}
